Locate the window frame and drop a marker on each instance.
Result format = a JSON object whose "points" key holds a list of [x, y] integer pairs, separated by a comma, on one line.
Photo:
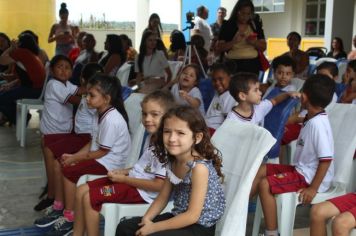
{"points": [[274, 3], [318, 19]]}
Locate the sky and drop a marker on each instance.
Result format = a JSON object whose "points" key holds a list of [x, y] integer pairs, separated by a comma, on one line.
{"points": [[114, 10]]}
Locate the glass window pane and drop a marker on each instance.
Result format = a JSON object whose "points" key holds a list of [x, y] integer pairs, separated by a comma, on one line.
{"points": [[279, 8], [312, 11], [322, 10], [257, 2], [321, 28], [258, 9], [279, 1], [313, 1], [310, 27]]}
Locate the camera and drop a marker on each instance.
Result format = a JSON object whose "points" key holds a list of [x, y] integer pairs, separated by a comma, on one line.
{"points": [[190, 16]]}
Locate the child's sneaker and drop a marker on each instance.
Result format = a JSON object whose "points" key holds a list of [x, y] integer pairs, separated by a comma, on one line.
{"points": [[62, 227], [49, 218]]}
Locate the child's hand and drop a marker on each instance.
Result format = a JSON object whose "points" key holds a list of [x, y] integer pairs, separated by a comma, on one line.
{"points": [[294, 94], [116, 176], [183, 94], [306, 195], [68, 160], [147, 227]]}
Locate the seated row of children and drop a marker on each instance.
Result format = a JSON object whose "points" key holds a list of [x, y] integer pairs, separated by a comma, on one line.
{"points": [[110, 144]]}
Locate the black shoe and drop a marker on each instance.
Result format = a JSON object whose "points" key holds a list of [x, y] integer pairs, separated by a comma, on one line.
{"points": [[62, 227], [44, 192], [50, 217], [43, 204]]}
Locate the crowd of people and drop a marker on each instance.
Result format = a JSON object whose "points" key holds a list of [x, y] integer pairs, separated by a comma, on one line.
{"points": [[85, 125]]}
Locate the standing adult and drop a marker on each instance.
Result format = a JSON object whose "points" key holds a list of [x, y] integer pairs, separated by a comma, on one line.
{"points": [[62, 33], [300, 57], [202, 27], [337, 49], [154, 25], [241, 38], [352, 54], [215, 27]]}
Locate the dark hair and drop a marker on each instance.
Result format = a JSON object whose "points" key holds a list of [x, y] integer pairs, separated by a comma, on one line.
{"points": [[91, 69], [220, 67], [114, 47], [284, 61], [319, 89], [152, 17], [238, 6], [30, 32], [222, 9], [160, 45], [63, 9], [200, 10], [196, 69], [124, 37], [330, 66], [58, 58], [296, 34], [240, 82], [4, 36], [91, 38], [163, 97], [197, 40], [339, 41], [27, 41], [142, 53], [178, 41], [109, 85], [196, 124], [352, 65]]}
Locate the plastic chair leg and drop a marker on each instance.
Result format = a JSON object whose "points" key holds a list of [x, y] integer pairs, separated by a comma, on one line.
{"points": [[257, 219], [18, 123], [23, 125], [286, 208], [111, 220]]}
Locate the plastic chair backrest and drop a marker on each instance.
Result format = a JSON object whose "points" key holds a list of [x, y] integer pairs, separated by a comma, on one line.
{"points": [[276, 120], [340, 89], [47, 69], [311, 69], [237, 142], [341, 65], [207, 91], [125, 92], [342, 121], [123, 73], [133, 109], [324, 59], [298, 83]]}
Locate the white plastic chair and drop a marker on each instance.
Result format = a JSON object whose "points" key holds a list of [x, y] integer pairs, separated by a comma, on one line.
{"points": [[342, 121], [133, 108], [341, 65], [123, 73], [237, 143], [24, 105], [298, 83], [175, 66], [324, 59]]}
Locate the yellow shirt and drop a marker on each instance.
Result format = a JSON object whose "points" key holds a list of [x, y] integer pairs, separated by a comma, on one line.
{"points": [[243, 50]]}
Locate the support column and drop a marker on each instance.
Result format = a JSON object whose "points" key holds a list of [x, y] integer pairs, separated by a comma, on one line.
{"points": [[142, 15], [339, 22]]}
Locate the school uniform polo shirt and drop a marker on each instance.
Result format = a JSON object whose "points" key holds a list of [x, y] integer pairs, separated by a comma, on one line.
{"points": [[84, 117], [315, 144], [111, 133]]}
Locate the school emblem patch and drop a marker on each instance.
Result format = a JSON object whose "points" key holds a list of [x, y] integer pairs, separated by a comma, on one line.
{"points": [[300, 142], [280, 176], [107, 190]]}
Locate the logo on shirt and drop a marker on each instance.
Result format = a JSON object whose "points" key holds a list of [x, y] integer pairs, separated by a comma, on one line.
{"points": [[300, 142], [217, 106], [107, 190]]}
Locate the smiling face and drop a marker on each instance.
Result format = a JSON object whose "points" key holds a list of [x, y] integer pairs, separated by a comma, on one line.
{"points": [[188, 78], [152, 112], [62, 70], [177, 137], [220, 81], [283, 75]]}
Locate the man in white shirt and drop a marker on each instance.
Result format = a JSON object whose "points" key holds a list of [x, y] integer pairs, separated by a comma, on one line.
{"points": [[202, 27]]}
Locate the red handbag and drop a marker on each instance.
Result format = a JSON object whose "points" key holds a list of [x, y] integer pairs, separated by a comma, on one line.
{"points": [[263, 61]]}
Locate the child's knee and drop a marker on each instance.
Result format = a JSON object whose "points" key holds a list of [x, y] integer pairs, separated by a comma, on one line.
{"points": [[81, 190], [263, 185], [318, 212], [342, 223]]}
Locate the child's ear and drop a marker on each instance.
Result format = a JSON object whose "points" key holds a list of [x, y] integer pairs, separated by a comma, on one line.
{"points": [[242, 96], [198, 137], [107, 99]]}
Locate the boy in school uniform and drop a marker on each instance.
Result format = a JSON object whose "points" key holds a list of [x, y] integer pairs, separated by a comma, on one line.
{"points": [[244, 87], [313, 168]]}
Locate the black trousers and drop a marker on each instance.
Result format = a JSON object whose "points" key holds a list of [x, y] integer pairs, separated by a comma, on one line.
{"points": [[130, 226], [245, 65]]}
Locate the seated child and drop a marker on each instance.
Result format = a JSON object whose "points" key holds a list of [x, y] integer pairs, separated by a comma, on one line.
{"points": [[244, 87], [107, 151], [57, 116], [193, 180], [186, 92], [70, 143], [283, 70], [314, 169], [222, 102], [349, 95], [138, 184], [344, 210]]}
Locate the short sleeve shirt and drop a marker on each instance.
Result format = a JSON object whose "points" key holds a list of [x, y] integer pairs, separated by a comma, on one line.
{"points": [[111, 133], [153, 65], [194, 92], [205, 31], [84, 117], [219, 107], [258, 113], [57, 116], [315, 144]]}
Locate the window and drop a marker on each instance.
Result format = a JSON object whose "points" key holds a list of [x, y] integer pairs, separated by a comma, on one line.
{"points": [[315, 17], [269, 5]]}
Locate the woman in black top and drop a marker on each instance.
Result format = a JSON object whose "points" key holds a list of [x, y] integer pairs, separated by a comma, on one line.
{"points": [[242, 37], [337, 49]]}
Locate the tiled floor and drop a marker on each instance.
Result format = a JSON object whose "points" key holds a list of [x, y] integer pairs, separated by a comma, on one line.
{"points": [[21, 180]]}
